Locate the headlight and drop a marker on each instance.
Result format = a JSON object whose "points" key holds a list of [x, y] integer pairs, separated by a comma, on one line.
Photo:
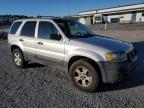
{"points": [[116, 57]]}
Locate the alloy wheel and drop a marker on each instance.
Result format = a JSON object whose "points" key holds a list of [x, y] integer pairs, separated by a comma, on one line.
{"points": [[17, 59], [82, 76]]}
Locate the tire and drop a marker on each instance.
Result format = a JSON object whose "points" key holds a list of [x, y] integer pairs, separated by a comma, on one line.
{"points": [[84, 76], [18, 58]]}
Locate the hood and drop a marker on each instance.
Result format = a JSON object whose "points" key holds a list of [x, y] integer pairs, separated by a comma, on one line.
{"points": [[111, 44]]}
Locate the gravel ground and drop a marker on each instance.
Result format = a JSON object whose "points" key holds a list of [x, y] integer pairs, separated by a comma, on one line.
{"points": [[38, 86], [126, 35]]}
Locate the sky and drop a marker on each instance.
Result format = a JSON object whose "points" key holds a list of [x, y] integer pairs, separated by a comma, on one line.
{"points": [[57, 7]]}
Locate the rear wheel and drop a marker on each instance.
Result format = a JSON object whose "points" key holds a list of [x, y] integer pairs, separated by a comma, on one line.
{"points": [[84, 76], [18, 58]]}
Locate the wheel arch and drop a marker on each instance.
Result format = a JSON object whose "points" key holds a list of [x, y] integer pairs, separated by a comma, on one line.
{"points": [[95, 64], [15, 47]]}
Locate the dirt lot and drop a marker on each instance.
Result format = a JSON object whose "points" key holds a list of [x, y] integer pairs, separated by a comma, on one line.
{"points": [[39, 86]]}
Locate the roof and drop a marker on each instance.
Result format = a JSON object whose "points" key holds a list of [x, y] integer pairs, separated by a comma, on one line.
{"points": [[102, 9]]}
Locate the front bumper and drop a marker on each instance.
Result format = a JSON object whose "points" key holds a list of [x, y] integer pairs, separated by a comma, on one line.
{"points": [[116, 71]]}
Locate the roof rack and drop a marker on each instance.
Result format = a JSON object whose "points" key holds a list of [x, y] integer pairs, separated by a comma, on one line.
{"points": [[47, 17]]}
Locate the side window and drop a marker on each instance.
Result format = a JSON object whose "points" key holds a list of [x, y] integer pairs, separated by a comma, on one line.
{"points": [[29, 29], [15, 27], [47, 30]]}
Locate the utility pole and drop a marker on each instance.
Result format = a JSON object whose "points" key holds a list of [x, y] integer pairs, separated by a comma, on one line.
{"points": [[106, 22], [105, 25]]}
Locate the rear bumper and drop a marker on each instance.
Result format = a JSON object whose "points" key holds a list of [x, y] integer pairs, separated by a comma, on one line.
{"points": [[116, 71]]}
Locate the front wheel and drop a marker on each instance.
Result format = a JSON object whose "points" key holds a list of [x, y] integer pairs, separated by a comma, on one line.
{"points": [[84, 75]]}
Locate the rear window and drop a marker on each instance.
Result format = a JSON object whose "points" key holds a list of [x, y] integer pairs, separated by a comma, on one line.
{"points": [[15, 27]]}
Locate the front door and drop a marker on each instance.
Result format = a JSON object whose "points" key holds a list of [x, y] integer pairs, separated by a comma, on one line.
{"points": [[49, 44]]}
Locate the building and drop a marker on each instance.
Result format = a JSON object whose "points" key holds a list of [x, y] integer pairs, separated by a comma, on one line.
{"points": [[121, 14]]}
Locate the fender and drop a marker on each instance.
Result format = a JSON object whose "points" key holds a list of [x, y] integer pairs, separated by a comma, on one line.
{"points": [[88, 54]]}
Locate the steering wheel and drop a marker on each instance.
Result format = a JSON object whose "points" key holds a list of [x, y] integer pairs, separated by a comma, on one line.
{"points": [[79, 33]]}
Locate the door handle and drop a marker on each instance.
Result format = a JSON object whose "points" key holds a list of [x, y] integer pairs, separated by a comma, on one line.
{"points": [[40, 43], [21, 40]]}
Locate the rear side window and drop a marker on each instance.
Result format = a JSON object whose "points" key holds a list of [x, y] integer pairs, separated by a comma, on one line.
{"points": [[28, 29], [15, 27]]}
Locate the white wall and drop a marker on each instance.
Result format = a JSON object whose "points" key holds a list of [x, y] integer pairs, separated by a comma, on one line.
{"points": [[126, 17], [82, 20], [112, 16], [138, 17], [142, 19]]}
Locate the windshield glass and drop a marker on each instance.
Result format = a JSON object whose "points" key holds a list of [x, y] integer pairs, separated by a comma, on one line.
{"points": [[74, 29]]}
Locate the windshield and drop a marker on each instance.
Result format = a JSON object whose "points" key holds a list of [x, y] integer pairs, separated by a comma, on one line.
{"points": [[74, 29]]}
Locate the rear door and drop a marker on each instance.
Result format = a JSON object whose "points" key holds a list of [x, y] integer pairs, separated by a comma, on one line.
{"points": [[49, 43], [27, 37]]}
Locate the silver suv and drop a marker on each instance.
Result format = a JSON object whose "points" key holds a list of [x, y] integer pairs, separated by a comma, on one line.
{"points": [[86, 58]]}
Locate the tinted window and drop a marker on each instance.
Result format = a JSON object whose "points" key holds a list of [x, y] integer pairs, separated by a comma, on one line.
{"points": [[15, 27], [48, 31], [29, 29]]}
